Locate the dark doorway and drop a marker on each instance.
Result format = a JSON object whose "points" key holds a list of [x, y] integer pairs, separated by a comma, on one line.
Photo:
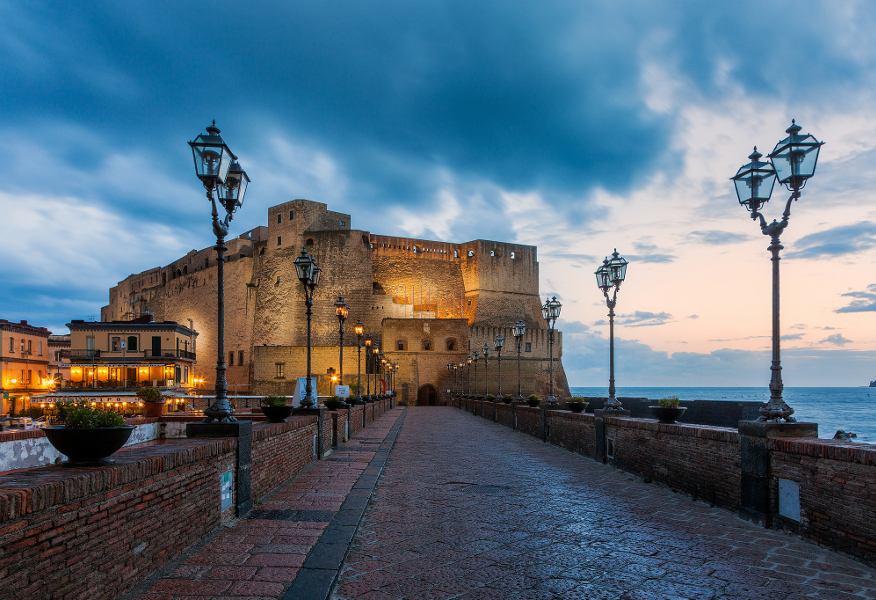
{"points": [[427, 396]]}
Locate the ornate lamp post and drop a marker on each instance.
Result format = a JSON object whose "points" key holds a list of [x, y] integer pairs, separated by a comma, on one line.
{"points": [[368, 343], [518, 331], [359, 329], [468, 360], [375, 353], [308, 274], [341, 311], [500, 342], [451, 370], [611, 274], [475, 356], [792, 163], [216, 166], [382, 366], [550, 311], [486, 351]]}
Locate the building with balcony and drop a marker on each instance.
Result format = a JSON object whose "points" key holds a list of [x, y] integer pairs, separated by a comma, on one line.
{"points": [[130, 354], [24, 364]]}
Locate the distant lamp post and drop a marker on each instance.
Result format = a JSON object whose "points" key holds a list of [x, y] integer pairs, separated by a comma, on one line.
{"points": [[375, 353], [475, 356], [217, 168], [792, 163], [359, 329], [308, 274], [500, 342], [518, 332], [551, 311], [468, 361], [610, 275], [451, 369], [341, 311], [368, 343], [486, 353]]}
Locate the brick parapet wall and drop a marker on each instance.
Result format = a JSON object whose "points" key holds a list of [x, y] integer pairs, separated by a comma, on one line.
{"points": [[280, 451], [339, 426], [504, 415], [836, 482], [573, 431], [529, 420], [356, 418]]}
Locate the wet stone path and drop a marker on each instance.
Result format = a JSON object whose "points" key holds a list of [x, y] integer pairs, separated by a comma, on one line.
{"points": [[466, 508]]}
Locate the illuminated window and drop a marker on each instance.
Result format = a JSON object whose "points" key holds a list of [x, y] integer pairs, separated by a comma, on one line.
{"points": [[281, 369], [114, 344]]}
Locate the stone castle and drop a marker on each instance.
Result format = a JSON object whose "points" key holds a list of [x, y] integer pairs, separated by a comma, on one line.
{"points": [[425, 304]]}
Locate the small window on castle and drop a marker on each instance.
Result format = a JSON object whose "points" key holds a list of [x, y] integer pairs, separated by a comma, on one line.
{"points": [[281, 370], [309, 242], [528, 347], [261, 251], [400, 345], [451, 345], [470, 253], [427, 345], [492, 253], [291, 214], [279, 240], [343, 223], [231, 358], [512, 256], [240, 357], [186, 270], [456, 254], [279, 218], [372, 246]]}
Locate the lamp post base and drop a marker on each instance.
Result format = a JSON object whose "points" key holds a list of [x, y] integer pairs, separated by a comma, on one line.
{"points": [[551, 401], [612, 405]]}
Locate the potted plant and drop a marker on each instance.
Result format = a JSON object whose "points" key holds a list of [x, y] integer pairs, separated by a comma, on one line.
{"points": [[507, 398], [153, 401], [89, 435], [533, 400], [576, 404], [332, 403], [668, 410], [275, 408], [491, 398]]}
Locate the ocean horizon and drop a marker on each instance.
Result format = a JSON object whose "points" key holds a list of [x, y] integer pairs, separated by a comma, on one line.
{"points": [[833, 408]]}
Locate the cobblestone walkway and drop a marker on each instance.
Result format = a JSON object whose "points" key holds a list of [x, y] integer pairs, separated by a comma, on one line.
{"points": [[467, 509], [260, 556]]}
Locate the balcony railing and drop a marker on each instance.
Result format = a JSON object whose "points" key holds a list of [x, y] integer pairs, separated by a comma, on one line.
{"points": [[80, 353], [120, 355], [172, 353]]}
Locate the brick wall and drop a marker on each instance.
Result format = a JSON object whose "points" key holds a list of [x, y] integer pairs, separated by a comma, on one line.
{"points": [[837, 501], [504, 414], [339, 426], [356, 418], [529, 420], [280, 451], [573, 431]]}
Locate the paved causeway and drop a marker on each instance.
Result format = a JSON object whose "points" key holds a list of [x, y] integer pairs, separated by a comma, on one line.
{"points": [[468, 509]]}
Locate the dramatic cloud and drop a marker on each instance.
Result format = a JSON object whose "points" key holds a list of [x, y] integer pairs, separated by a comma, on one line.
{"points": [[837, 241], [864, 301], [639, 319], [836, 339], [792, 336]]}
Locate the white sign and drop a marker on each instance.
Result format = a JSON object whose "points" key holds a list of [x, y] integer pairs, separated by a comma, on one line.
{"points": [[300, 389], [342, 391], [225, 490]]}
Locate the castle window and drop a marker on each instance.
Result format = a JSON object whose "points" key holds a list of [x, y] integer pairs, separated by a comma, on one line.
{"points": [[427, 345], [528, 347], [451, 345], [279, 239], [279, 218], [186, 270], [281, 370], [343, 223], [470, 253], [309, 242], [512, 256], [261, 251], [240, 357], [231, 358], [291, 214], [400, 345]]}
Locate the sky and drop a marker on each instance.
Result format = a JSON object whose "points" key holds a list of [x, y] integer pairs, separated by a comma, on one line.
{"points": [[579, 127]]}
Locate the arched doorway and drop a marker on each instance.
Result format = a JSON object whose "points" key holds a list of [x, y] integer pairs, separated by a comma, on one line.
{"points": [[427, 396]]}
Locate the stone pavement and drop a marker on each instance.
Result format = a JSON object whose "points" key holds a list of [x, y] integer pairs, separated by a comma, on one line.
{"points": [[468, 509], [292, 544]]}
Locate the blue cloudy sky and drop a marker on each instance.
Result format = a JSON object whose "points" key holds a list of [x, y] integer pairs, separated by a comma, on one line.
{"points": [[577, 126]]}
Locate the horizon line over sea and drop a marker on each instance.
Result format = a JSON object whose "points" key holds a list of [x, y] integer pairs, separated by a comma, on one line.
{"points": [[833, 408]]}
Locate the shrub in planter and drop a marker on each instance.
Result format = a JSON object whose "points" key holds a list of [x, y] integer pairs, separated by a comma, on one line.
{"points": [[491, 398], [576, 404], [332, 403], [153, 401], [89, 435], [533, 400], [275, 408], [507, 398], [668, 410]]}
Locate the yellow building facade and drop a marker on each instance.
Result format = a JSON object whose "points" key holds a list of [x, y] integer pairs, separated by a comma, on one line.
{"points": [[24, 364]]}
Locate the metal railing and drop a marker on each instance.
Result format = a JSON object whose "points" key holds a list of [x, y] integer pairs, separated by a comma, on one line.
{"points": [[80, 353]]}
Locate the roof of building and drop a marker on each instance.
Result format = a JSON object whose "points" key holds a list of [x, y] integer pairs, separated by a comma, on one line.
{"points": [[23, 327]]}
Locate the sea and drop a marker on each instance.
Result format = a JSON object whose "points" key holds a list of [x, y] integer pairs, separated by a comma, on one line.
{"points": [[833, 408]]}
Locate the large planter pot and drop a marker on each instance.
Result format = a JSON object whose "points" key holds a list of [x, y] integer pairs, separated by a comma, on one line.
{"points": [[332, 404], [276, 414], [576, 407], [153, 409], [88, 447], [507, 400], [667, 415], [533, 403]]}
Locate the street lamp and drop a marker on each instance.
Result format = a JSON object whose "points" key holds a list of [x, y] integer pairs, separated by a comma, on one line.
{"points": [[450, 369], [217, 168], [611, 274], [518, 331], [486, 351], [359, 329], [375, 352], [792, 163], [468, 360], [341, 311], [475, 356], [550, 311], [308, 274], [500, 342], [368, 343]]}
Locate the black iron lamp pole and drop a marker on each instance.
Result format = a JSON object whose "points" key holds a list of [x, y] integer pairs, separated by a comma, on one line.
{"points": [[500, 342], [375, 355], [475, 356], [341, 311], [359, 329], [550, 311], [518, 331], [468, 360], [217, 168], [792, 163], [308, 274], [368, 343], [486, 351], [611, 274]]}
